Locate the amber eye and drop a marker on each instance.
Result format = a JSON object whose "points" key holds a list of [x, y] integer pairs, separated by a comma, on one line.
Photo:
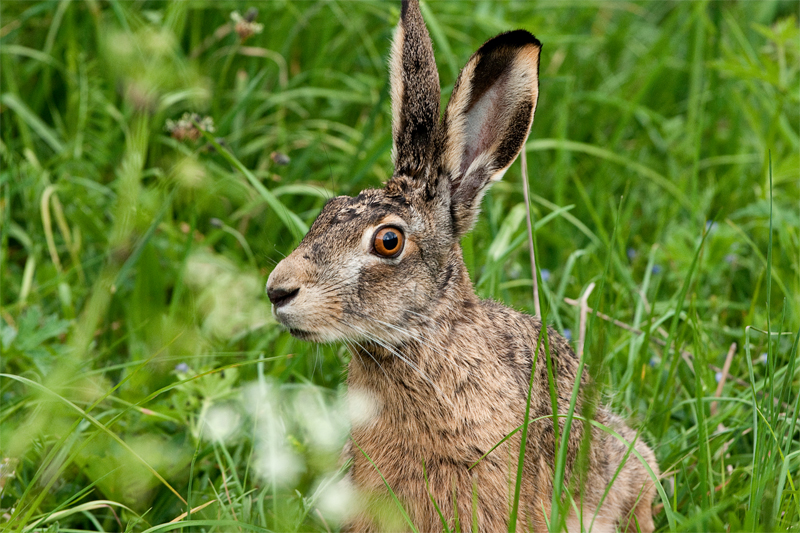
{"points": [[388, 242]]}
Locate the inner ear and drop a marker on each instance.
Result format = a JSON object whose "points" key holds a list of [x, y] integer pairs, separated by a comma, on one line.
{"points": [[488, 119], [479, 135]]}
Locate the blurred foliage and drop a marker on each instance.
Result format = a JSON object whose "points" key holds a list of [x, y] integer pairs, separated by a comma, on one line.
{"points": [[135, 336]]}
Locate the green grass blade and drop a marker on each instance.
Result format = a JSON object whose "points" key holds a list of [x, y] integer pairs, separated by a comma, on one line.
{"points": [[391, 492], [608, 155], [433, 500], [288, 217], [672, 336], [557, 518], [512, 521], [33, 121], [97, 424]]}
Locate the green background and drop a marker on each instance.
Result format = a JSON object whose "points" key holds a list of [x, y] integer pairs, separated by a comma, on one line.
{"points": [[137, 342]]}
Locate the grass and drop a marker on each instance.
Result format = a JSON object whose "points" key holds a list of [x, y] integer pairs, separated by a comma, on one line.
{"points": [[136, 340]]}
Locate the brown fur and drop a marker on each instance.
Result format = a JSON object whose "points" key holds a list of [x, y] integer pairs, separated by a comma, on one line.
{"points": [[449, 373]]}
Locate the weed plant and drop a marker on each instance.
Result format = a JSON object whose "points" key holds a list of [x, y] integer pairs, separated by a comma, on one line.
{"points": [[144, 384]]}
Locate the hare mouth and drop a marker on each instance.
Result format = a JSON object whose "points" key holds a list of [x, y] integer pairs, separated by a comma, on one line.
{"points": [[300, 333], [304, 335]]}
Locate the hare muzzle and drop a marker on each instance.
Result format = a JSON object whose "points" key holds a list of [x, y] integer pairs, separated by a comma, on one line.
{"points": [[288, 290]]}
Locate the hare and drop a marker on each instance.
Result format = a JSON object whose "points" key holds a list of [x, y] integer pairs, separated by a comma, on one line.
{"points": [[449, 374]]}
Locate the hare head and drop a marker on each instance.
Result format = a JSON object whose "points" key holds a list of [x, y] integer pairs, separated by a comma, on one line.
{"points": [[388, 257]]}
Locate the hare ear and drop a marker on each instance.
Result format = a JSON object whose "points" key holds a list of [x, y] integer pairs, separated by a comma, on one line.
{"points": [[488, 119], [415, 93]]}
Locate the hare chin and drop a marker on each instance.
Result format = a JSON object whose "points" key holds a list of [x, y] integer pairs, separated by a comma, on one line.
{"points": [[310, 336], [297, 332], [321, 336]]}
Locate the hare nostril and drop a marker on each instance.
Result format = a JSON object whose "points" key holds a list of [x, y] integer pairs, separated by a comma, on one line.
{"points": [[281, 297]]}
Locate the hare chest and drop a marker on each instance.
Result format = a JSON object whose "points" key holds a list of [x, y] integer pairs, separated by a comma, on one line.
{"points": [[428, 440]]}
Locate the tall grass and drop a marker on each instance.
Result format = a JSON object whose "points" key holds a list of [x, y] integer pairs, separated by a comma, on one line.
{"points": [[142, 376]]}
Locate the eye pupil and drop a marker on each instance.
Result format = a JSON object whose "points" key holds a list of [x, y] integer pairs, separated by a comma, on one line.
{"points": [[390, 240]]}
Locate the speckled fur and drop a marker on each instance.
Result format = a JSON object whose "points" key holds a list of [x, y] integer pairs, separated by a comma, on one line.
{"points": [[448, 372]]}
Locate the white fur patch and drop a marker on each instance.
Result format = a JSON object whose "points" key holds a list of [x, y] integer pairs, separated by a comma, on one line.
{"points": [[396, 82]]}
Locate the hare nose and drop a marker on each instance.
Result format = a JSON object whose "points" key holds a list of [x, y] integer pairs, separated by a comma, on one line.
{"points": [[280, 296]]}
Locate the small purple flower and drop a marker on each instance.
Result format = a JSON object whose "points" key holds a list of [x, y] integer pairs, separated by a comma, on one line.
{"points": [[763, 358], [545, 274], [568, 334], [730, 258], [182, 367], [632, 254], [711, 226], [656, 269], [718, 377], [653, 362]]}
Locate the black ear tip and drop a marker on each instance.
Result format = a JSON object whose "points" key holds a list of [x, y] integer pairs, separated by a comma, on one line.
{"points": [[518, 38], [511, 39]]}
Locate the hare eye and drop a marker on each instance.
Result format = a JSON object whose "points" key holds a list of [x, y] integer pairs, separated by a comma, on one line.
{"points": [[388, 242]]}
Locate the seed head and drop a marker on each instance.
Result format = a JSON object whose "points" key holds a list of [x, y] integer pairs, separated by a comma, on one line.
{"points": [[246, 26], [189, 126]]}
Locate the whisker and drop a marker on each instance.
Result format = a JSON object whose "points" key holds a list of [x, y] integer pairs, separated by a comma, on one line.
{"points": [[355, 354], [279, 252], [407, 361], [439, 322], [373, 358], [422, 339], [427, 341], [326, 288], [317, 359]]}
